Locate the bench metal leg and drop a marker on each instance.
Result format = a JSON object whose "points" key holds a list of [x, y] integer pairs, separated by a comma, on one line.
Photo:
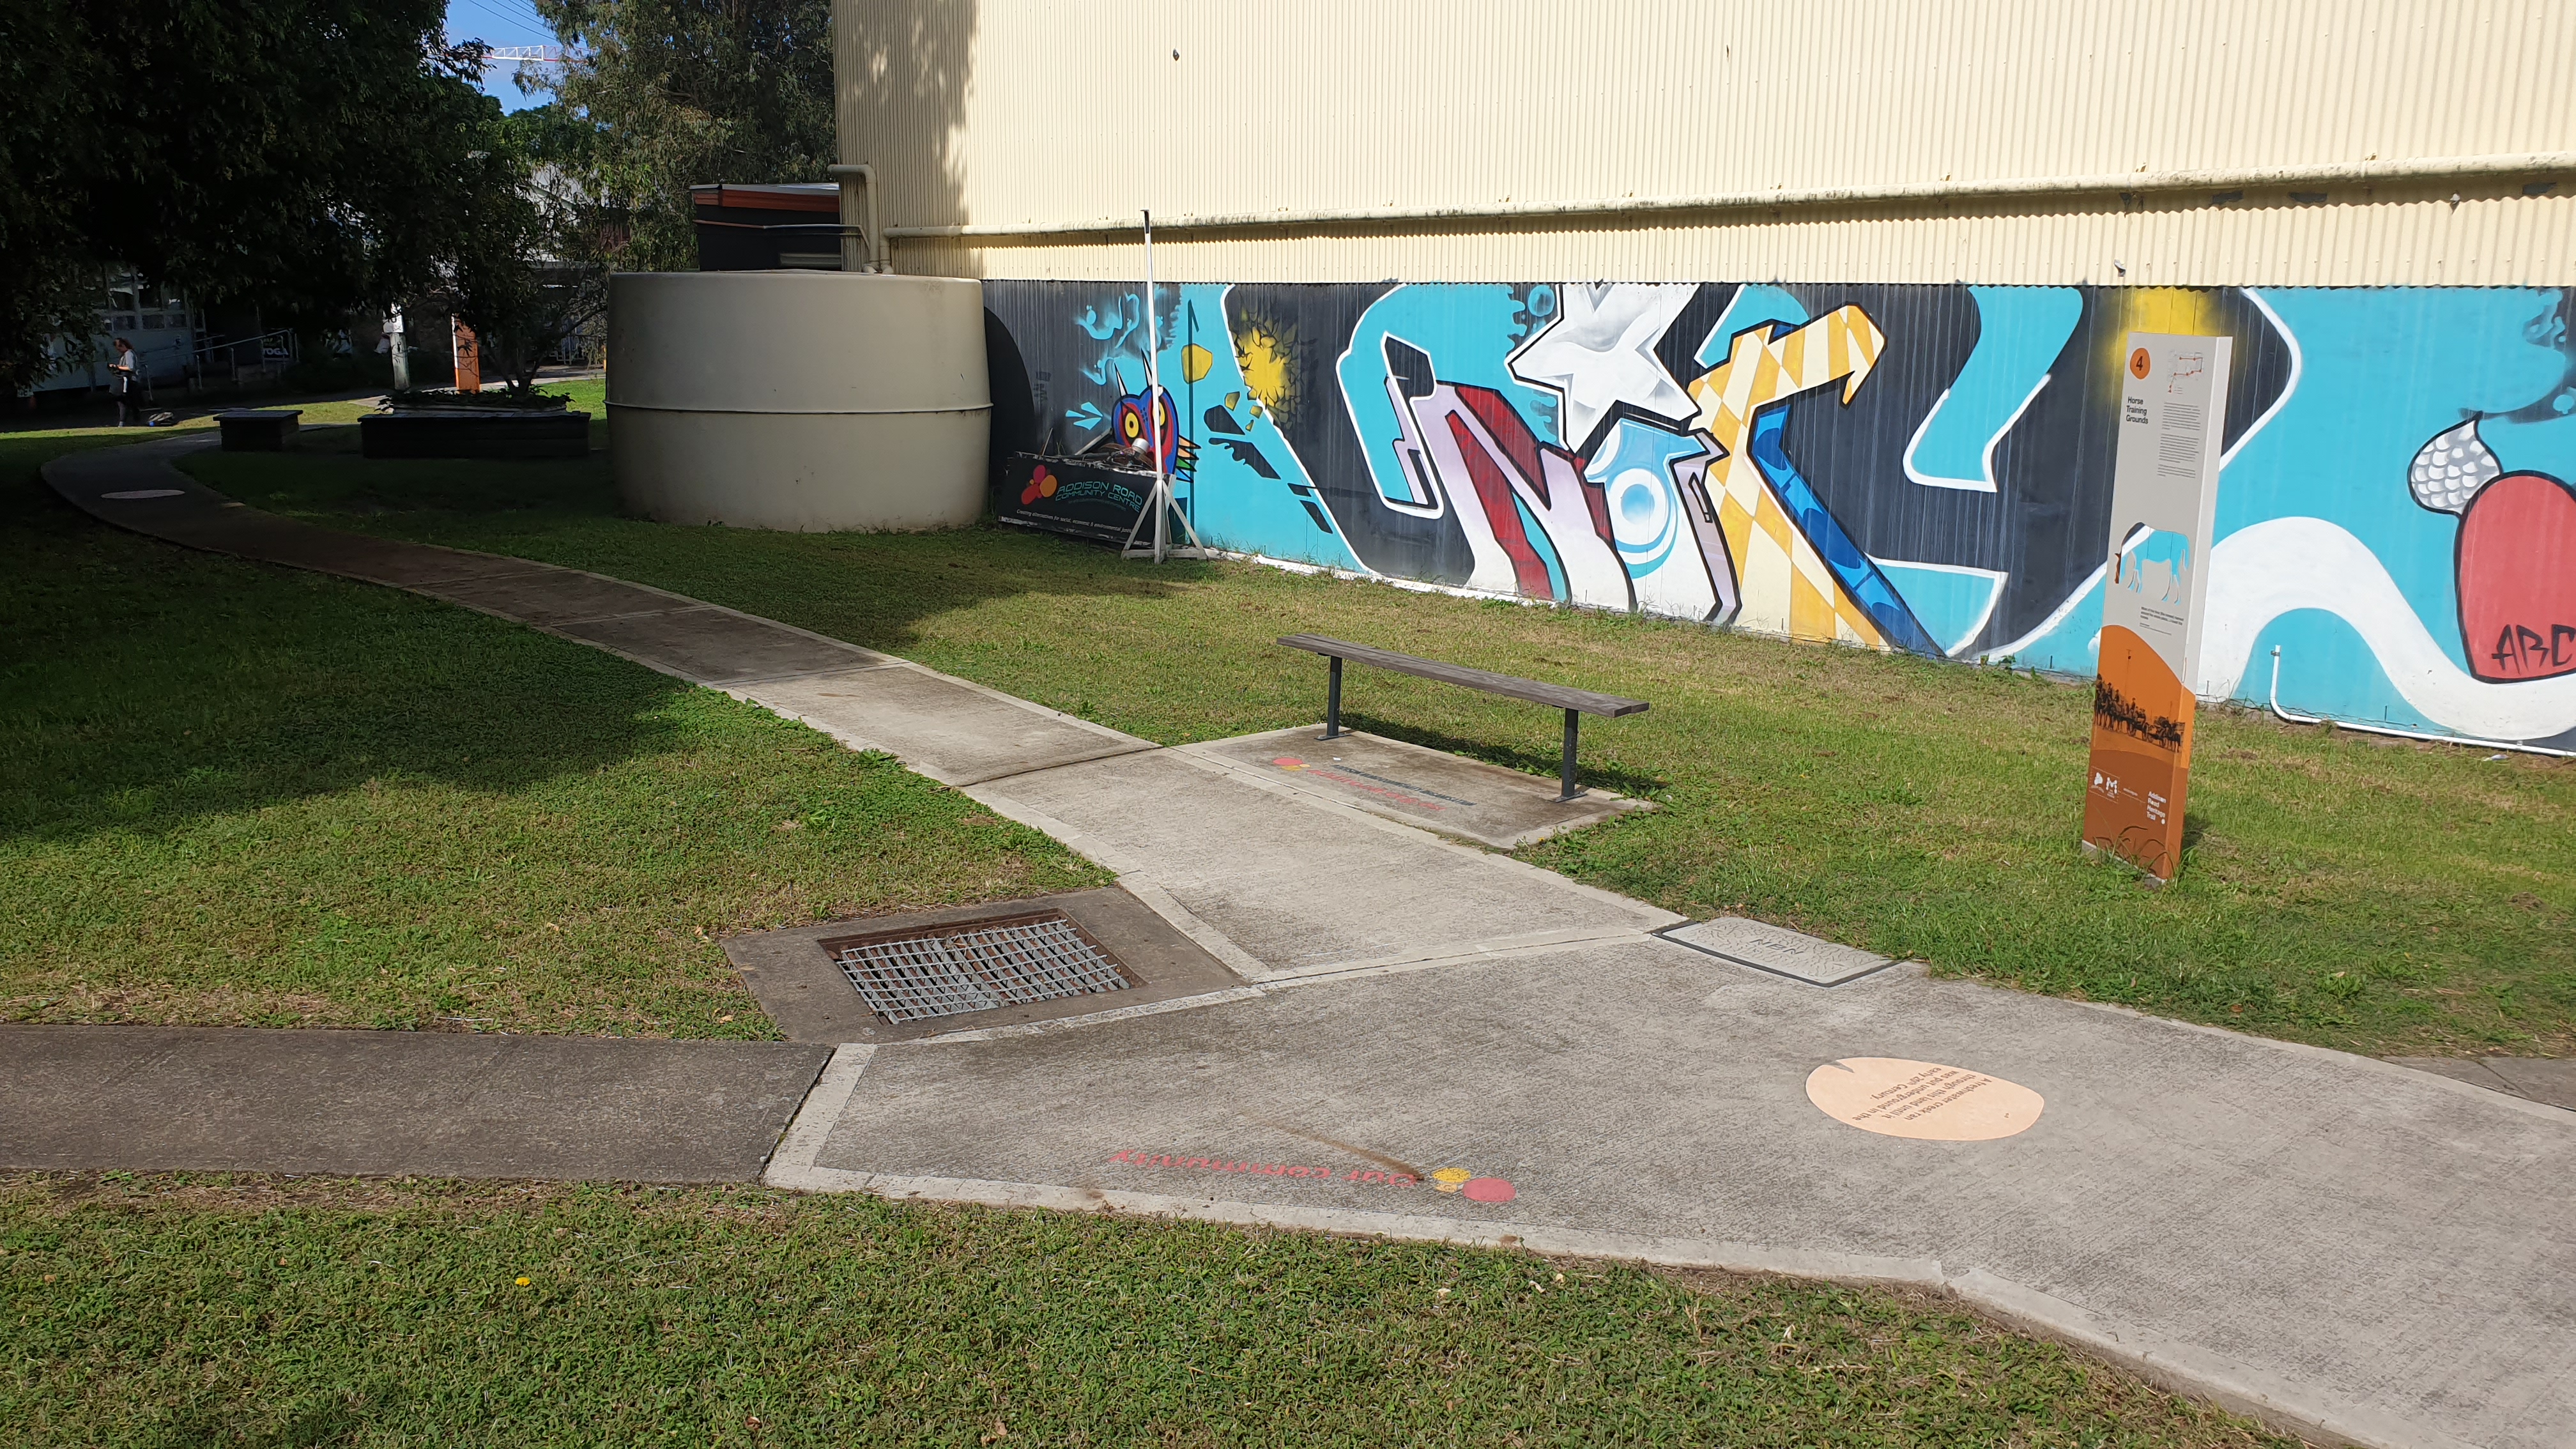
{"points": [[1565, 771], [1333, 702]]}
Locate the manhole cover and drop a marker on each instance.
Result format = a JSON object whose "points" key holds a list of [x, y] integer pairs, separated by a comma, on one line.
{"points": [[1780, 952], [975, 966]]}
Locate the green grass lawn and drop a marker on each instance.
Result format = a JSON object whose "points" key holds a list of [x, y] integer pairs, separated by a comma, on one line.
{"points": [[2372, 895], [171, 1311], [231, 793]]}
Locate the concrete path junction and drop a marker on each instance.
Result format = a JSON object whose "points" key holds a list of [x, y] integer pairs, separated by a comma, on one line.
{"points": [[1426, 1040]]}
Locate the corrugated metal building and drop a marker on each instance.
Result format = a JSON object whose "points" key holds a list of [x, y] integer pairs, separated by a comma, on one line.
{"points": [[1474, 293]]}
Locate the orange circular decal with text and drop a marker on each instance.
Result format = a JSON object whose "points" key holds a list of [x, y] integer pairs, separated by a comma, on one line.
{"points": [[1925, 1100], [2139, 362]]}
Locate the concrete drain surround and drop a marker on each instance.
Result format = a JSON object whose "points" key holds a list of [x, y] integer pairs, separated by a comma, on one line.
{"points": [[975, 966], [934, 979]]}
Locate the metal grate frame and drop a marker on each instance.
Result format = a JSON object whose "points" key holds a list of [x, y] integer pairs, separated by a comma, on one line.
{"points": [[950, 970]]}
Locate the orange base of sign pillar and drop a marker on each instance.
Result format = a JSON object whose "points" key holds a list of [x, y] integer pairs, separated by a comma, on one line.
{"points": [[2141, 765], [469, 360]]}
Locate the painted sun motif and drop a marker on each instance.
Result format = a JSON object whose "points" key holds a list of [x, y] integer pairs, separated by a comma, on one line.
{"points": [[1266, 351]]}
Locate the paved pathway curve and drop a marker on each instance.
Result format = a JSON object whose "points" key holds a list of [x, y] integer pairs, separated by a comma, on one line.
{"points": [[1436, 1042]]}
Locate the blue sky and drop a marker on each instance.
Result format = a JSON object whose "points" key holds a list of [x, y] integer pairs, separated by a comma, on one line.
{"points": [[499, 22]]}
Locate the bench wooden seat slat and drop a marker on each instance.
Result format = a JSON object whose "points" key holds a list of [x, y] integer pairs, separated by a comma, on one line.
{"points": [[1556, 696]]}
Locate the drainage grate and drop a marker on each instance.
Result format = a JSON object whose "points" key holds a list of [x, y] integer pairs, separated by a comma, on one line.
{"points": [[975, 966]]}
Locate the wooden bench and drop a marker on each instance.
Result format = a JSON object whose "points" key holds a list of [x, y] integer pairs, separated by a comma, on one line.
{"points": [[257, 430], [1575, 702]]}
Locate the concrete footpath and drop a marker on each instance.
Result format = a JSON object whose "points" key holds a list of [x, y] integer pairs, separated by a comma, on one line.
{"points": [[395, 1103], [1427, 1040]]}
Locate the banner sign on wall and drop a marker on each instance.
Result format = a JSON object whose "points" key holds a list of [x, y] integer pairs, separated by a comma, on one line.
{"points": [[1068, 495], [2164, 496]]}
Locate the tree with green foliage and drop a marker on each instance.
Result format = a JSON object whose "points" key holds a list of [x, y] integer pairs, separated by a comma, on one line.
{"points": [[682, 92], [307, 156], [531, 270]]}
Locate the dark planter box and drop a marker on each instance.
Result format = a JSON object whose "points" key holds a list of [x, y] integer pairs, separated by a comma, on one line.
{"points": [[464, 434], [257, 430]]}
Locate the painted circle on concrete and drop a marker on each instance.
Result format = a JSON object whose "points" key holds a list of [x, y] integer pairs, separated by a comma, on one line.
{"points": [[1487, 1189], [1928, 1101], [132, 494]]}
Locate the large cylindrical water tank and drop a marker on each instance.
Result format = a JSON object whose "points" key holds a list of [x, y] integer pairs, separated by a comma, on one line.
{"points": [[798, 400]]}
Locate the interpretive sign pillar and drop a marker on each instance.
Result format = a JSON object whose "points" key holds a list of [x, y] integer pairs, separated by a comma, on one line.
{"points": [[2164, 495]]}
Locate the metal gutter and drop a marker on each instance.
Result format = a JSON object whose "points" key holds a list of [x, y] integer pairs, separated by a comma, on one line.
{"points": [[2218, 182]]}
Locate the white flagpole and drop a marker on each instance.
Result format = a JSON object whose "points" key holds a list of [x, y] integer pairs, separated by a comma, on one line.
{"points": [[1161, 503], [1154, 394]]}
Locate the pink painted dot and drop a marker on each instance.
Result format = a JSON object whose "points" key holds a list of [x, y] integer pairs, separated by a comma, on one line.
{"points": [[1487, 1189]]}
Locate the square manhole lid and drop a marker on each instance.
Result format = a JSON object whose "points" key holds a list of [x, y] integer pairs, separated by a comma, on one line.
{"points": [[1778, 951], [921, 973]]}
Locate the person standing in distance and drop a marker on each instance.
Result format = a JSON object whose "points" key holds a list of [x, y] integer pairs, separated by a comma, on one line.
{"points": [[128, 378]]}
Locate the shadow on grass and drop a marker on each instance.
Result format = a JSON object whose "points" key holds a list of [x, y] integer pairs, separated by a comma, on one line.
{"points": [[1588, 771], [146, 686], [870, 589]]}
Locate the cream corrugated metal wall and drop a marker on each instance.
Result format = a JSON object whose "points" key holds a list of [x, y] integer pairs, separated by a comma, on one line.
{"points": [[1053, 112]]}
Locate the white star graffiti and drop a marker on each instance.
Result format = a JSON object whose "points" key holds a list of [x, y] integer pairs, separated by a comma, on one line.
{"points": [[1600, 352]]}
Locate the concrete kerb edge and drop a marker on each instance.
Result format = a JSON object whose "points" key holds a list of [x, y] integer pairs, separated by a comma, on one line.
{"points": [[2185, 1369], [2469, 1091], [1079, 842], [2494, 1081], [2174, 1366], [1211, 940], [778, 1143], [815, 1116], [847, 739]]}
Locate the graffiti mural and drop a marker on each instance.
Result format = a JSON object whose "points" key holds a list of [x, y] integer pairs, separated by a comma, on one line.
{"points": [[1925, 468]]}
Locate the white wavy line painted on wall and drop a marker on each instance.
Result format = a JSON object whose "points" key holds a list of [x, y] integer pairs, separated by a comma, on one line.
{"points": [[2055, 617], [1985, 483], [2289, 386], [2259, 573]]}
